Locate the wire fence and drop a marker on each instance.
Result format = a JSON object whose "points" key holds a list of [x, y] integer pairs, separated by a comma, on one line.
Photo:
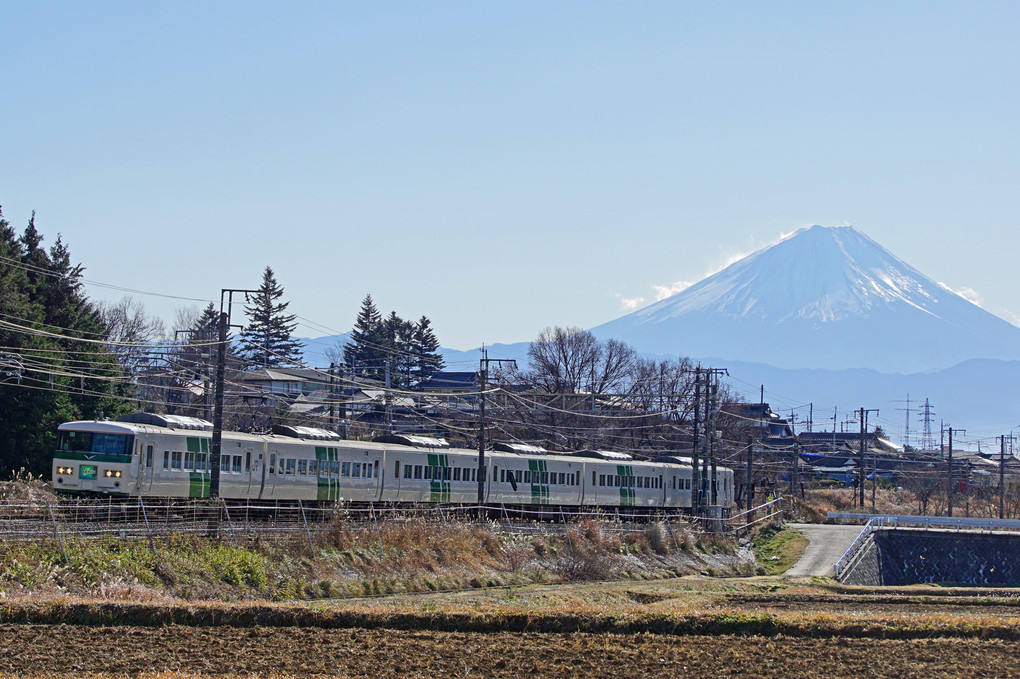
{"points": [[247, 521]]}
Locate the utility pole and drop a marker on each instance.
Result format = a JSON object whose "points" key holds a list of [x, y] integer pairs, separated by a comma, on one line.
{"points": [[949, 468], [483, 375], [714, 405], [332, 395], [1002, 474], [695, 468], [221, 364], [750, 476], [864, 426]]}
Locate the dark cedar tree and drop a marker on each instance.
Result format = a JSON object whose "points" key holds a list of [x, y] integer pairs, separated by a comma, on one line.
{"points": [[267, 342]]}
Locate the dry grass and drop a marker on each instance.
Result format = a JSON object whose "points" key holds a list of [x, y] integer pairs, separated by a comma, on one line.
{"points": [[352, 559]]}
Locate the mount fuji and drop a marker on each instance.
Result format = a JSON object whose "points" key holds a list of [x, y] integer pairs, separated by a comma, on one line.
{"points": [[823, 298]]}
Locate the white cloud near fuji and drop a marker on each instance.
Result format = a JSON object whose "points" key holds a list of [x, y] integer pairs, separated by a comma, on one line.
{"points": [[670, 289], [969, 294], [631, 303]]}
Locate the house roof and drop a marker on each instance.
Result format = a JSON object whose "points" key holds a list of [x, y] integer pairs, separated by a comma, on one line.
{"points": [[284, 375], [450, 380]]}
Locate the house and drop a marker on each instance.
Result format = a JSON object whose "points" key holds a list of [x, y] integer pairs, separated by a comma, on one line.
{"points": [[450, 383], [285, 382]]}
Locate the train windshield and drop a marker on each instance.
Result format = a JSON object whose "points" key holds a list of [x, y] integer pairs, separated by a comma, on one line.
{"points": [[92, 442]]}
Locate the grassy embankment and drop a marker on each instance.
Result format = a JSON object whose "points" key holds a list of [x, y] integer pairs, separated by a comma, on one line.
{"points": [[408, 556]]}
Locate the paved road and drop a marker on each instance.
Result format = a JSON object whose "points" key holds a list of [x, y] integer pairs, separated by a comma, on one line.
{"points": [[826, 544]]}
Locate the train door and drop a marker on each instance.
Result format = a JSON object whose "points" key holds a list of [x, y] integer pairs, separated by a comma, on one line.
{"points": [[248, 470], [138, 470], [395, 484], [275, 462], [143, 466], [380, 477], [150, 453]]}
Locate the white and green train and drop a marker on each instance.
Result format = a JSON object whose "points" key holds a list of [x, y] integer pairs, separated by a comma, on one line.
{"points": [[168, 456]]}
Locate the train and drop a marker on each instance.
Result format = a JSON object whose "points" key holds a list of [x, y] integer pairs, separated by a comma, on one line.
{"points": [[168, 456]]}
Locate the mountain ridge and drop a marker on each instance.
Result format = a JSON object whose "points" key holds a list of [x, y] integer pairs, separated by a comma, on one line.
{"points": [[824, 297]]}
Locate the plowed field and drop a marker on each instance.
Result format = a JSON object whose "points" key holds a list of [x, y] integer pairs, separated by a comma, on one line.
{"points": [[59, 650]]}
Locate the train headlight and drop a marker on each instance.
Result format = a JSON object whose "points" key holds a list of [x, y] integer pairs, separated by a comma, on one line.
{"points": [[117, 474], [69, 471]]}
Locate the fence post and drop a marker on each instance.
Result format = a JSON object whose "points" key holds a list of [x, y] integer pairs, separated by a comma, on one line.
{"points": [[148, 532], [230, 523], [506, 515], [56, 531], [308, 532], [378, 531]]}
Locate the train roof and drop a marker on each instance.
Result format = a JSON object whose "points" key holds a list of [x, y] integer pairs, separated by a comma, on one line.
{"points": [[313, 433], [520, 448], [412, 440], [167, 421], [610, 455]]}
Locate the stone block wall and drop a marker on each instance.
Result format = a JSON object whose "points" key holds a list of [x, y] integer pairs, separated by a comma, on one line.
{"points": [[907, 557]]}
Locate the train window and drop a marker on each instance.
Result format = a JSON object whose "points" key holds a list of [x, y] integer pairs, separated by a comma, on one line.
{"points": [[225, 463], [408, 470], [272, 463], [236, 467], [291, 464], [247, 461], [345, 469], [428, 472], [456, 473], [175, 460], [148, 456], [474, 475], [356, 470], [593, 478], [417, 471], [166, 459], [334, 468], [189, 461], [602, 479], [502, 476], [494, 472], [302, 467], [527, 476], [313, 467]]}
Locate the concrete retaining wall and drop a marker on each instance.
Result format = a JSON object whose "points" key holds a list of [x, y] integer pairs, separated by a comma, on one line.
{"points": [[906, 557]]}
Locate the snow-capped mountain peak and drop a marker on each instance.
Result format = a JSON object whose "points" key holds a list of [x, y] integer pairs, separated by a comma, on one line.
{"points": [[823, 297]]}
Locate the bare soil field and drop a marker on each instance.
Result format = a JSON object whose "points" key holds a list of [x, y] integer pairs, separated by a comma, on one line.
{"points": [[64, 651], [692, 627]]}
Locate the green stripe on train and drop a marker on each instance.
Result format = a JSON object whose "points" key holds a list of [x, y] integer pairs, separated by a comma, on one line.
{"points": [[539, 490], [328, 489], [198, 484], [439, 491], [198, 445]]}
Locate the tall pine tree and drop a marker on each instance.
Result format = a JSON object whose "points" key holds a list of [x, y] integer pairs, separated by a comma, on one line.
{"points": [[267, 342], [424, 349], [365, 352]]}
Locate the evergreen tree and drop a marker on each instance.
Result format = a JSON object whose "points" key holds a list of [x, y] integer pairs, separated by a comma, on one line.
{"points": [[60, 378], [398, 335], [424, 349], [365, 352], [266, 341]]}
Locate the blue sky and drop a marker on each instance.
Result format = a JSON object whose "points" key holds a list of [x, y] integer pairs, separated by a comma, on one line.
{"points": [[503, 167]]}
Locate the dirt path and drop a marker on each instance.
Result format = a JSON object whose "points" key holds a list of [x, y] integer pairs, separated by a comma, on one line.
{"points": [[79, 651]]}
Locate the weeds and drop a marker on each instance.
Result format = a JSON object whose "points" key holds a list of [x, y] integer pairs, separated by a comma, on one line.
{"points": [[357, 559]]}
